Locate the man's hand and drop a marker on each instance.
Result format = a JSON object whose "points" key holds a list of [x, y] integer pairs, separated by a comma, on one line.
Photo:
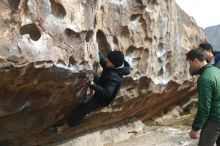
{"points": [[91, 83], [194, 134]]}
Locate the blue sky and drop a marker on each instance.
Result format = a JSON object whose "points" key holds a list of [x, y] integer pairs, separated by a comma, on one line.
{"points": [[205, 12]]}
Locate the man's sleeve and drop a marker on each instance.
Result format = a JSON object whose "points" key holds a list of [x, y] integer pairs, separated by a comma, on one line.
{"points": [[102, 60], [107, 90], [204, 103], [96, 77]]}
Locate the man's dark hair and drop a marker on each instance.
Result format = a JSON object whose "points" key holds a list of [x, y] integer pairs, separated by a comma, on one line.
{"points": [[206, 46], [116, 58], [196, 54]]}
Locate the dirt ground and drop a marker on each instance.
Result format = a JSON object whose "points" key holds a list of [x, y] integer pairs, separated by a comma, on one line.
{"points": [[159, 136], [168, 129]]}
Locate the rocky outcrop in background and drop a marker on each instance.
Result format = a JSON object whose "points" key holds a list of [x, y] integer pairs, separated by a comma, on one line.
{"points": [[49, 47], [213, 34]]}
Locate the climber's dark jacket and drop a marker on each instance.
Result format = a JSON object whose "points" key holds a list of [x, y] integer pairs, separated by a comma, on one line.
{"points": [[217, 59], [109, 82]]}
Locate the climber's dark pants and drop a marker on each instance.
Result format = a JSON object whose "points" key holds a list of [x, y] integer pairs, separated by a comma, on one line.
{"points": [[80, 112], [210, 134]]}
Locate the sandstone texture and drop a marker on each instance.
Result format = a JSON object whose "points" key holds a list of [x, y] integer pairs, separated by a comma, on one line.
{"points": [[48, 49]]}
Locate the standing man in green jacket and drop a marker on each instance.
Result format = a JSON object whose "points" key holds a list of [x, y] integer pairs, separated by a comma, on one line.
{"points": [[208, 115]]}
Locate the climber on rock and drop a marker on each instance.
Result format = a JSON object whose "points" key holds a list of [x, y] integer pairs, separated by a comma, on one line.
{"points": [[106, 87]]}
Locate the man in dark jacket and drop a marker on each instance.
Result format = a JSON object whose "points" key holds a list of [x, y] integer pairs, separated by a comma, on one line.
{"points": [[106, 87], [208, 115], [212, 56]]}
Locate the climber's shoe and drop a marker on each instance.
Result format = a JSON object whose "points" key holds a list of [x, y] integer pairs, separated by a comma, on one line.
{"points": [[52, 130]]}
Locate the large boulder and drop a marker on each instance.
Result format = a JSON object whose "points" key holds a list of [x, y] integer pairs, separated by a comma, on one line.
{"points": [[48, 49]]}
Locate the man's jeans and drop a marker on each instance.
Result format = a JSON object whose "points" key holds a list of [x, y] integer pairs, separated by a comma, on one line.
{"points": [[80, 112], [210, 134]]}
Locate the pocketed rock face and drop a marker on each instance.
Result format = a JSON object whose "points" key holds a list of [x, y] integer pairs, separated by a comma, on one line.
{"points": [[49, 47]]}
